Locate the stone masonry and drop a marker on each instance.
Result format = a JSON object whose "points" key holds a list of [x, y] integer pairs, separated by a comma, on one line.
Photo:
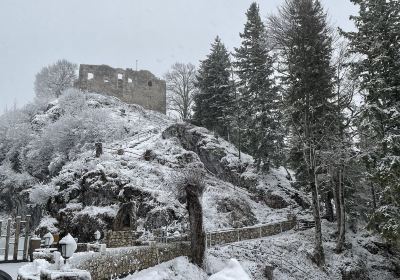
{"points": [[120, 262], [133, 87], [115, 239], [246, 233]]}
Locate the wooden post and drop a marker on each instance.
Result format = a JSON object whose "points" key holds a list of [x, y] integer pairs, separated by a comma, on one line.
{"points": [[99, 149], [26, 241], [1, 224], [16, 240], [7, 239]]}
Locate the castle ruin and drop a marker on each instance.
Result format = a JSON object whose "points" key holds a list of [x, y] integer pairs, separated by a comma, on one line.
{"points": [[134, 87]]}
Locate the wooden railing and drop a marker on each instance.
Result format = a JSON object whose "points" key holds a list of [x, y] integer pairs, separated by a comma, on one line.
{"points": [[6, 239]]}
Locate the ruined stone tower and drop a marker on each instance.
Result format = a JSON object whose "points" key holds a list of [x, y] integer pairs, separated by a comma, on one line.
{"points": [[135, 87]]}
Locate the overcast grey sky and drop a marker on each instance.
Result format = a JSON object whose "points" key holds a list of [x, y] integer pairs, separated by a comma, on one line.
{"points": [[35, 33]]}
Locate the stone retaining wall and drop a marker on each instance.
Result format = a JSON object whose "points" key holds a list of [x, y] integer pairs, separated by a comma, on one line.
{"points": [[118, 262], [115, 239], [123, 261], [240, 234]]}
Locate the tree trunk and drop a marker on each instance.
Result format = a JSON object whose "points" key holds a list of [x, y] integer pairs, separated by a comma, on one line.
{"points": [[319, 257], [196, 226], [99, 149], [341, 210], [328, 205], [373, 197]]}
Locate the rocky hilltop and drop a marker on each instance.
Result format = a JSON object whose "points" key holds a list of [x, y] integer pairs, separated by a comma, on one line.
{"points": [[132, 184]]}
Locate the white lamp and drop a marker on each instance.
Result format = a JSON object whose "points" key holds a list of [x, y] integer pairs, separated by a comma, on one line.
{"points": [[48, 239], [97, 236], [68, 247]]}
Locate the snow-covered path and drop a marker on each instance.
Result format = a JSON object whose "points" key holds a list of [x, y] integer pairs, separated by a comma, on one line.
{"points": [[12, 268]]}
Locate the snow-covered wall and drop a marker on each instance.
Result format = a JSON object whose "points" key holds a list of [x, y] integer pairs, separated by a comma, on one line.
{"points": [[123, 261], [246, 233]]}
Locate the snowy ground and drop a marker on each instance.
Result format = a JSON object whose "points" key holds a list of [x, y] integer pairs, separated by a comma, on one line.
{"points": [[289, 252], [12, 268], [181, 269]]}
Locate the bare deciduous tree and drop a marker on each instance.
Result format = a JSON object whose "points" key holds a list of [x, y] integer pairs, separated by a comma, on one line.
{"points": [[52, 80], [180, 88]]}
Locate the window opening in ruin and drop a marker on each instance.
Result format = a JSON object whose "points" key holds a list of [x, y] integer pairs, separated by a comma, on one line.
{"points": [[150, 83], [106, 81], [90, 76], [119, 76], [129, 80]]}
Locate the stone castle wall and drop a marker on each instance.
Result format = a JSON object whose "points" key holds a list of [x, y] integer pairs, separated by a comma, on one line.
{"points": [[134, 87]]}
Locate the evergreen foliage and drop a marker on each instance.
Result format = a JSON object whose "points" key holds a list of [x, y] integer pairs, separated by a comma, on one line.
{"points": [[302, 34], [259, 114], [214, 101], [377, 39]]}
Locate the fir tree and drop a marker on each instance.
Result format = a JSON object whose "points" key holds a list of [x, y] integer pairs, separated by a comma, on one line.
{"points": [[302, 36], [215, 99], [258, 103], [377, 39]]}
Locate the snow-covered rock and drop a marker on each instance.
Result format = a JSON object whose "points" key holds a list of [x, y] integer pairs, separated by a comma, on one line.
{"points": [[233, 271]]}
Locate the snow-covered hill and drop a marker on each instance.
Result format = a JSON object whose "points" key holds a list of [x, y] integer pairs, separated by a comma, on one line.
{"points": [[143, 154], [48, 169]]}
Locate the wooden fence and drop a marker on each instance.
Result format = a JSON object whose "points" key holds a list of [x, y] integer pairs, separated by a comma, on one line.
{"points": [[6, 239]]}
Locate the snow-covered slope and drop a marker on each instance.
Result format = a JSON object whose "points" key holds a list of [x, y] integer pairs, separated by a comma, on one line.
{"points": [[288, 256], [143, 154]]}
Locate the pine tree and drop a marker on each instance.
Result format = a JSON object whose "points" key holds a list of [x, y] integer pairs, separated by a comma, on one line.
{"points": [[258, 103], [215, 99], [377, 39], [302, 35]]}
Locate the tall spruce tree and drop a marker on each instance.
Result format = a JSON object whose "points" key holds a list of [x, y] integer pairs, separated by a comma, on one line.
{"points": [[377, 39], [214, 101], [301, 33], [259, 101]]}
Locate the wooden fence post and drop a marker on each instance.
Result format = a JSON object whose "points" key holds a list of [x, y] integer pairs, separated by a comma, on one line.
{"points": [[7, 239], [1, 224], [26, 241], [16, 239]]}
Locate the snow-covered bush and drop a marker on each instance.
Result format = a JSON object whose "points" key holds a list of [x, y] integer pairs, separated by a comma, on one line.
{"points": [[72, 101], [40, 141], [71, 131], [41, 193], [15, 133]]}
